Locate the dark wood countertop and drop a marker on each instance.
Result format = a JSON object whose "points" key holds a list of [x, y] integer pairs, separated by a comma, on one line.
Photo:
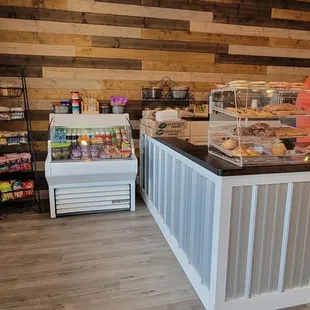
{"points": [[199, 154]]}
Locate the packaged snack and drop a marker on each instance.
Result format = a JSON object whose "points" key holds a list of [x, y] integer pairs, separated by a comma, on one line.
{"points": [[17, 187], [104, 154], [14, 162], [25, 161], [115, 152], [4, 164], [23, 137], [17, 113], [6, 191], [28, 187]]}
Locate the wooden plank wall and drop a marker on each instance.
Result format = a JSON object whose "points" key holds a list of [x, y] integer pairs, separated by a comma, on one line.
{"points": [[117, 46]]}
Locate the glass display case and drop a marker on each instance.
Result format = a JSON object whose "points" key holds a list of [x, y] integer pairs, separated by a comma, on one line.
{"points": [[259, 126], [91, 164], [90, 142]]}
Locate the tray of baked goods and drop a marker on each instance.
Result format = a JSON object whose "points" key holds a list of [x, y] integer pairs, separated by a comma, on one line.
{"points": [[268, 111], [232, 148], [261, 130]]}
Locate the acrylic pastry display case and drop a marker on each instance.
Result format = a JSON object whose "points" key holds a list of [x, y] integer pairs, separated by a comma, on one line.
{"points": [[259, 126], [91, 164]]}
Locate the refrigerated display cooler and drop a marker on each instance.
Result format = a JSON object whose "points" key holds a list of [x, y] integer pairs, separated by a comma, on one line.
{"points": [[91, 164]]}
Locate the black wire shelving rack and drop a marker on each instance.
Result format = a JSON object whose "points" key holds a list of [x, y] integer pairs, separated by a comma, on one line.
{"points": [[23, 199]]}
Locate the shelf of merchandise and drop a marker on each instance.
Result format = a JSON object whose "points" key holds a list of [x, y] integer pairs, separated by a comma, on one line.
{"points": [[7, 93], [256, 117], [280, 91], [228, 131]]}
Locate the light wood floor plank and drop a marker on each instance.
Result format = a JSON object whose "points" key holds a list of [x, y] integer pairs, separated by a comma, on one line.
{"points": [[112, 261]]}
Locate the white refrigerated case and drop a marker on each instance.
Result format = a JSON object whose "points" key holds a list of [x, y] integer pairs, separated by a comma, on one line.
{"points": [[86, 185]]}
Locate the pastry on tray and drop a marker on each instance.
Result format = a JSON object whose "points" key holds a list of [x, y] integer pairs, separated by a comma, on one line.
{"points": [[229, 144], [260, 126], [244, 152], [289, 132], [278, 149]]}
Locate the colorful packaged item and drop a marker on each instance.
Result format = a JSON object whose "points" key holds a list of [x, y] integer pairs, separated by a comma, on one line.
{"points": [[28, 187], [14, 162], [4, 164], [25, 161], [6, 191], [17, 187]]}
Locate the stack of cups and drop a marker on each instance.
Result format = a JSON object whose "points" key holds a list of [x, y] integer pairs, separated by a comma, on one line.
{"points": [[75, 102]]}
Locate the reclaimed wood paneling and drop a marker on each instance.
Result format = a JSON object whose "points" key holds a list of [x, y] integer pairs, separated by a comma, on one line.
{"points": [[68, 28], [48, 4], [138, 84], [43, 38], [114, 47], [147, 44], [185, 36], [75, 62], [291, 43], [291, 15], [133, 10], [262, 60], [36, 49], [149, 75], [268, 51], [92, 18], [249, 30], [288, 70], [201, 67], [141, 54]]}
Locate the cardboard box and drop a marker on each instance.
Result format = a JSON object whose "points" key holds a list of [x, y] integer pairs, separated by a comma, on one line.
{"points": [[177, 124], [165, 132], [161, 132]]}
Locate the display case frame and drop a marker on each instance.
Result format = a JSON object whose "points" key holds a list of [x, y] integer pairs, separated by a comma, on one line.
{"points": [[251, 127]]}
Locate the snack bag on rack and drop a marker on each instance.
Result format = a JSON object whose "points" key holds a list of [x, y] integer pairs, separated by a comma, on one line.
{"points": [[4, 164], [6, 191], [14, 162], [17, 187], [28, 187], [25, 161]]}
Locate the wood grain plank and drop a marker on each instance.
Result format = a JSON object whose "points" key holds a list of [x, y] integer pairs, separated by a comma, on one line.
{"points": [[158, 75], [291, 15], [78, 83], [232, 7], [137, 84], [148, 44], [36, 49], [92, 18], [120, 53], [134, 10], [200, 67], [74, 62], [288, 70], [48, 4], [262, 60], [29, 71], [248, 30], [268, 51], [291, 43], [258, 19], [68, 28], [186, 36], [43, 38]]}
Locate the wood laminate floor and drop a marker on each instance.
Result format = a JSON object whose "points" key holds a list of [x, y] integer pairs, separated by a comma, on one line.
{"points": [[116, 261]]}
